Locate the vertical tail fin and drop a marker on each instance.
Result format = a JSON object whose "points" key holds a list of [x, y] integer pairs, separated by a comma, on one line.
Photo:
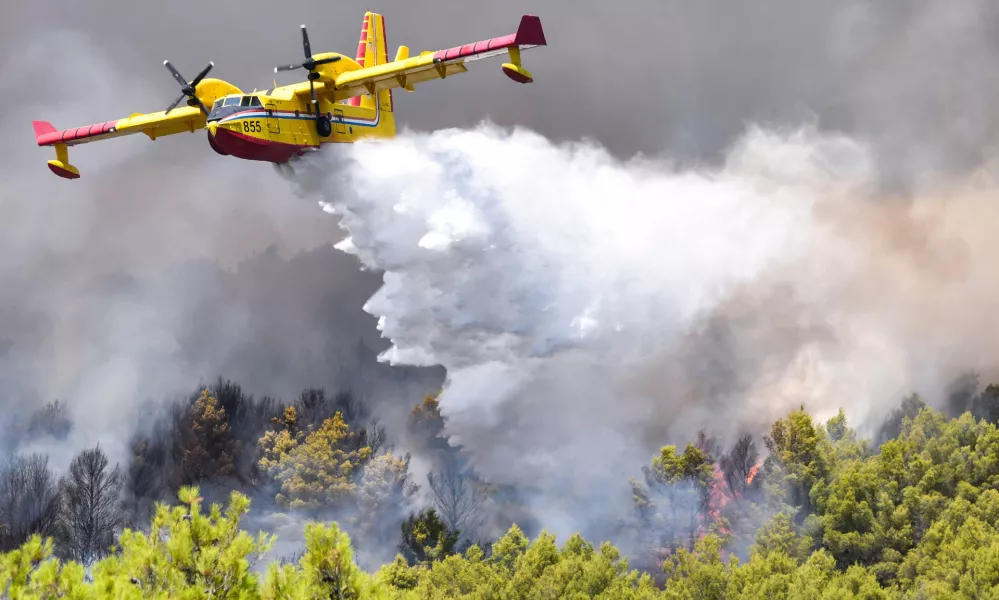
{"points": [[372, 49]]}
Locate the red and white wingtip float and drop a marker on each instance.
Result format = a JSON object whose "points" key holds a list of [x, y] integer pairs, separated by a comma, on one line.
{"points": [[341, 101]]}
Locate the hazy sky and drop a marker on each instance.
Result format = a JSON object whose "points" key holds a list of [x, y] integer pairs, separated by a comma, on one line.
{"points": [[635, 75]]}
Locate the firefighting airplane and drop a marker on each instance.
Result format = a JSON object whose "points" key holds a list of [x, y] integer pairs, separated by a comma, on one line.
{"points": [[342, 101]]}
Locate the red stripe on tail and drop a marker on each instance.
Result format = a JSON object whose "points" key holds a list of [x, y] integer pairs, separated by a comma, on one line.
{"points": [[385, 40], [362, 48]]}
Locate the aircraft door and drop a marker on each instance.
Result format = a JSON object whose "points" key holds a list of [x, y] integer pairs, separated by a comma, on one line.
{"points": [[273, 123], [338, 121]]}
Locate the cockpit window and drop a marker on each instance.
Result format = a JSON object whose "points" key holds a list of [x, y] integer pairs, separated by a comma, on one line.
{"points": [[250, 101], [232, 101], [217, 104]]}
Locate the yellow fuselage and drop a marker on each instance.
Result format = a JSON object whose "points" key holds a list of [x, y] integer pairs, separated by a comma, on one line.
{"points": [[278, 124]]}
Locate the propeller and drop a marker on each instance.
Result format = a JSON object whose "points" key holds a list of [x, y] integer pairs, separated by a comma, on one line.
{"points": [[188, 88], [309, 64]]}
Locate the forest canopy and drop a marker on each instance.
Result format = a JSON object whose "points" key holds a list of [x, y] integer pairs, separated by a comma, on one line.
{"points": [[825, 514]]}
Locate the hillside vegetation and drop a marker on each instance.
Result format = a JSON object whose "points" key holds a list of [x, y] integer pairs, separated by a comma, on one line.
{"points": [[911, 514]]}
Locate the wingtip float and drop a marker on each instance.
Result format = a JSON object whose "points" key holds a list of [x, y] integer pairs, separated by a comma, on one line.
{"points": [[342, 100]]}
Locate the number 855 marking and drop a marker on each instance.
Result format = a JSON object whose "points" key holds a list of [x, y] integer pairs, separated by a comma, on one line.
{"points": [[251, 126]]}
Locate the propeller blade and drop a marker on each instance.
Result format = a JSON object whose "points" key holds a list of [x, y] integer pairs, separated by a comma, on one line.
{"points": [[315, 103], [326, 61], [305, 43], [286, 68], [176, 75], [204, 108], [202, 74], [176, 103]]}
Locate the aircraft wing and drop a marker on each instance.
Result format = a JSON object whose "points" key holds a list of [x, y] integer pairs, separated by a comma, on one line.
{"points": [[159, 124], [185, 118], [404, 72]]}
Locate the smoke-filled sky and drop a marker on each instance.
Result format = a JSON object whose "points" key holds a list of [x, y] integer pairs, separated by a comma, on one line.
{"points": [[912, 82]]}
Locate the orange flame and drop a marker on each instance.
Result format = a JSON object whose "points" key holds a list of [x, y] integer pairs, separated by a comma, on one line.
{"points": [[721, 496]]}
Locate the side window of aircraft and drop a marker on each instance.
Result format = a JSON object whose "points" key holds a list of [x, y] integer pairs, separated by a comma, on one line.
{"points": [[255, 101], [245, 101]]}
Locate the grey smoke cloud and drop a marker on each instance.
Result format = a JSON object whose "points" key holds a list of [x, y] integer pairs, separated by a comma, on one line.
{"points": [[589, 311]]}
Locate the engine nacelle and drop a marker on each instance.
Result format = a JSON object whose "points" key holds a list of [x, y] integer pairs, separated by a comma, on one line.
{"points": [[330, 71]]}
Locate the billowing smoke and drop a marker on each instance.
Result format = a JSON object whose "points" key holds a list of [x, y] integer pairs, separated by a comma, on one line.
{"points": [[589, 310], [916, 78]]}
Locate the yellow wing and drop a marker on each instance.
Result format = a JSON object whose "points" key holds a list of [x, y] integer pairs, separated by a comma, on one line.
{"points": [[154, 125], [404, 72]]}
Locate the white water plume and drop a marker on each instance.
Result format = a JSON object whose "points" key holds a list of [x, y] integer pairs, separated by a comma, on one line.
{"points": [[590, 310]]}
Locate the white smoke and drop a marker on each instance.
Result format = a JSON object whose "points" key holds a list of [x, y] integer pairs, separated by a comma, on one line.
{"points": [[589, 310]]}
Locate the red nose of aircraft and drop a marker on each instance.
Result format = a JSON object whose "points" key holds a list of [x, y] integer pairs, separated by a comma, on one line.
{"points": [[229, 142]]}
